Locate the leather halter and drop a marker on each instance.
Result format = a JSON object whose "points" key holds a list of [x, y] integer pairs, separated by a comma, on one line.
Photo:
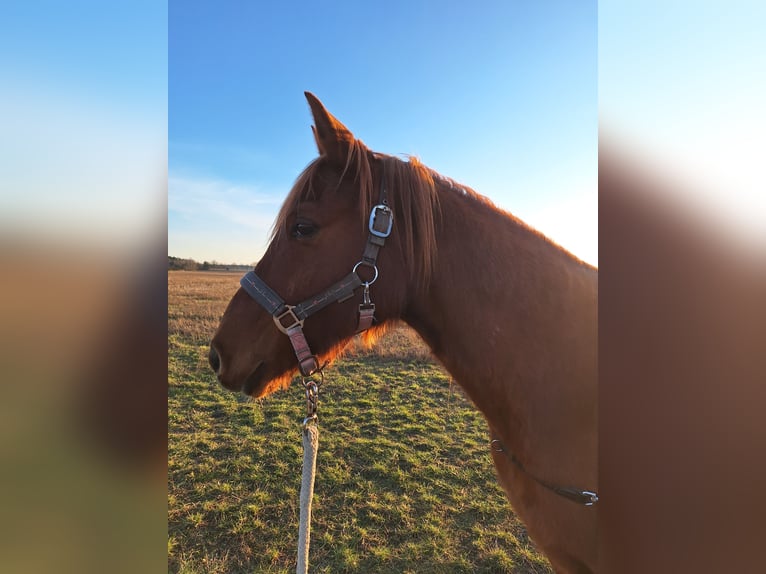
{"points": [[289, 318]]}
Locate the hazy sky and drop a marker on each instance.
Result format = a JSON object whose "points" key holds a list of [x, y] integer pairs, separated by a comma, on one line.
{"points": [[83, 120], [682, 86], [501, 96]]}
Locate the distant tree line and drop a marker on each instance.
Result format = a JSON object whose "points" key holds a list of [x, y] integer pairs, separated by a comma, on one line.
{"points": [[178, 264]]}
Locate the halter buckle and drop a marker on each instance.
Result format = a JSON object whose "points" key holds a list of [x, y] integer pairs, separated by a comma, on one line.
{"points": [[381, 221], [287, 319]]}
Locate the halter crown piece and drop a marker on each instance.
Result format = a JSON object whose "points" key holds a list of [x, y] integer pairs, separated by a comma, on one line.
{"points": [[289, 318]]}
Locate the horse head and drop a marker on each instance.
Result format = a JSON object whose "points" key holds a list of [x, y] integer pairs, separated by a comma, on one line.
{"points": [[322, 233]]}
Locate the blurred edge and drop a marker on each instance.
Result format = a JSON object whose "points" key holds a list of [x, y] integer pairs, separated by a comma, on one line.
{"points": [[682, 305], [83, 346], [682, 370]]}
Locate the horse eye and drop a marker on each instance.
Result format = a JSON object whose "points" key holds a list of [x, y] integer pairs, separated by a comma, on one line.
{"points": [[303, 229]]}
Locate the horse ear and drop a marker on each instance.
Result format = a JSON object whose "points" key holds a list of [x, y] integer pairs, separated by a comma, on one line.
{"points": [[332, 137]]}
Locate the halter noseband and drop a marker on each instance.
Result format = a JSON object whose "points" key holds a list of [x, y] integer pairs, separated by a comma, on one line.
{"points": [[289, 318]]}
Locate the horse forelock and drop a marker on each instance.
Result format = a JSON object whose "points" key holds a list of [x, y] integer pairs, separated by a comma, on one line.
{"points": [[411, 192]]}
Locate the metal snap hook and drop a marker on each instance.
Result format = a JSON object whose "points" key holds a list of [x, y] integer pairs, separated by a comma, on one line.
{"points": [[366, 295], [592, 496]]}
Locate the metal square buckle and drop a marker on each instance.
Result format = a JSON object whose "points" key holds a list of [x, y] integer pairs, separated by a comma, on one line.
{"points": [[387, 217], [287, 319]]}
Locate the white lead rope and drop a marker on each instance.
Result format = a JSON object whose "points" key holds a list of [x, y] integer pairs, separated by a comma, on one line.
{"points": [[310, 446]]}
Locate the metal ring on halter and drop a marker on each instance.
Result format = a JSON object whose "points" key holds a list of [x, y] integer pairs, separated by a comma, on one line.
{"points": [[374, 267], [318, 374]]}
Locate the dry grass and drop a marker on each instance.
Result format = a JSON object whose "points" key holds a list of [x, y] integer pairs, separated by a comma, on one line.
{"points": [[196, 302], [197, 299]]}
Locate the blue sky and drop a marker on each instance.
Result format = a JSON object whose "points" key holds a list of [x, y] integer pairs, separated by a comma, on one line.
{"points": [[501, 96], [83, 120]]}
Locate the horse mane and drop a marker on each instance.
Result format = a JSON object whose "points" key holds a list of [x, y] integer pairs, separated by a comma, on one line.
{"points": [[411, 190], [412, 193]]}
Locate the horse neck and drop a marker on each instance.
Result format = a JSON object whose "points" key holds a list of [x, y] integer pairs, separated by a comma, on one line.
{"points": [[512, 317]]}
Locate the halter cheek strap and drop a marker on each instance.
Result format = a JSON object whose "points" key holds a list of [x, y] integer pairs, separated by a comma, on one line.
{"points": [[289, 318]]}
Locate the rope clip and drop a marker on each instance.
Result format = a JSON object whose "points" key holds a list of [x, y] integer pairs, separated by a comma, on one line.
{"points": [[312, 398]]}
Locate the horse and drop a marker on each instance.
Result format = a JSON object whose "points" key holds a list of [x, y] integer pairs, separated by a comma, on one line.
{"points": [[511, 316]]}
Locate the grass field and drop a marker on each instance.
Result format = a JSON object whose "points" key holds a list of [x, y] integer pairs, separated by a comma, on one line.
{"points": [[404, 482]]}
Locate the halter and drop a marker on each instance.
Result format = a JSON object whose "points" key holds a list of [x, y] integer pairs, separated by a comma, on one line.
{"points": [[289, 318]]}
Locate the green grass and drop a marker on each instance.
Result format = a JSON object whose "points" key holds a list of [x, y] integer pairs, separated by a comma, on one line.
{"points": [[404, 481]]}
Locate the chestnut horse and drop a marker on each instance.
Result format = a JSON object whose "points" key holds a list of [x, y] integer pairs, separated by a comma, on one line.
{"points": [[511, 316]]}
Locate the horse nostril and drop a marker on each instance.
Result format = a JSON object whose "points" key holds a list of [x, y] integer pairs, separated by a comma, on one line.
{"points": [[215, 360]]}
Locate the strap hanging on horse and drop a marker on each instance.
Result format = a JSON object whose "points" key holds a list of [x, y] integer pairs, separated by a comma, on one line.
{"points": [[578, 495]]}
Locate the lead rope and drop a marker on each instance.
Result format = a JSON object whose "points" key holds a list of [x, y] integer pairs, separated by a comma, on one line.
{"points": [[289, 320], [310, 447]]}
